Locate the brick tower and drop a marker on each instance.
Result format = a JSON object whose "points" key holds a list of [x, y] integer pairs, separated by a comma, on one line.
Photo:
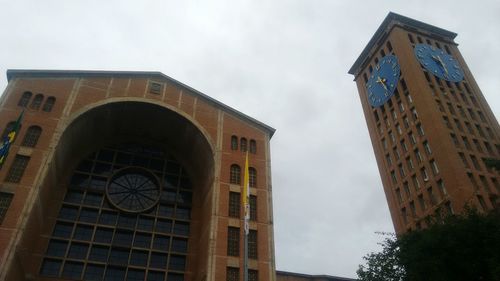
{"points": [[430, 126]]}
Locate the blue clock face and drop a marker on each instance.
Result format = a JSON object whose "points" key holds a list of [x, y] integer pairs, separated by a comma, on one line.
{"points": [[383, 81], [439, 63]]}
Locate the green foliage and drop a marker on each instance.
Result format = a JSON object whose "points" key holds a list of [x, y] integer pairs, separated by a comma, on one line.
{"points": [[459, 248]]}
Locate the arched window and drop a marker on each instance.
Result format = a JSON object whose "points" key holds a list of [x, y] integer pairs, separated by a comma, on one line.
{"points": [[32, 135], [37, 102], [25, 99], [253, 146], [234, 143], [243, 144], [235, 174], [49, 103], [252, 177]]}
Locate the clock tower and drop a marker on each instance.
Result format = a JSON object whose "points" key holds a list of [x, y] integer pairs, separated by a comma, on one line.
{"points": [[430, 126]]}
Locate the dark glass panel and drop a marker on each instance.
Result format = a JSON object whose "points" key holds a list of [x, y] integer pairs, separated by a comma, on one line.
{"points": [[135, 275], [166, 210], [99, 253], [179, 245], [139, 258], [158, 260], [123, 237], [181, 228], [72, 270], [88, 215], [93, 199], [108, 217], [50, 268], [73, 196], [142, 240], [183, 213], [63, 229], [161, 242], [83, 232], [118, 256], [177, 262], [155, 276], [103, 235], [145, 223], [102, 169], [68, 212], [57, 248], [78, 251], [80, 180], [93, 272], [115, 274], [127, 221], [164, 226]]}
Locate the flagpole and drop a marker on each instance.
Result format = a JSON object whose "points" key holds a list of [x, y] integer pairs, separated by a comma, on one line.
{"points": [[246, 218]]}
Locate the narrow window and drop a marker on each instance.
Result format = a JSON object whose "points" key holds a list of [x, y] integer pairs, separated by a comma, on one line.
{"points": [[253, 207], [25, 99], [393, 177], [466, 143], [234, 143], [49, 104], [482, 203], [232, 274], [484, 182], [404, 215], [477, 145], [407, 190], [427, 148], [399, 196], [16, 171], [432, 196], [252, 177], [416, 183], [421, 202], [475, 162], [253, 146], [441, 187], [464, 160], [5, 200], [235, 174], [413, 209], [32, 135], [473, 181], [233, 241], [243, 144], [234, 204], [425, 176], [435, 169], [253, 275], [418, 156], [252, 244], [37, 102], [420, 130]]}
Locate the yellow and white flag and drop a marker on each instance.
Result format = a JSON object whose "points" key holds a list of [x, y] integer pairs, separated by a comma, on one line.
{"points": [[245, 196]]}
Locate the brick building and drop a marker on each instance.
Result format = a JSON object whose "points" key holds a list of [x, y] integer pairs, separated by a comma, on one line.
{"points": [[430, 126], [129, 176]]}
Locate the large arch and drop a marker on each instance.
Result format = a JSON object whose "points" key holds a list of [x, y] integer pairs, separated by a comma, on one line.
{"points": [[111, 122]]}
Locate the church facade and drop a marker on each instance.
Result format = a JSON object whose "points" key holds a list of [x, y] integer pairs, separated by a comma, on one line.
{"points": [[129, 176]]}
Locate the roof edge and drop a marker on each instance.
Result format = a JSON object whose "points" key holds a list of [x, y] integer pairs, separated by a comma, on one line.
{"points": [[402, 21], [314, 276], [33, 73]]}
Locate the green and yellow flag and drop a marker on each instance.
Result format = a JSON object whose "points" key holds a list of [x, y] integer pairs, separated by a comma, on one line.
{"points": [[9, 139]]}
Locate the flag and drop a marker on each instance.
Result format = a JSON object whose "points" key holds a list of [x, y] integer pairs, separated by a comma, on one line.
{"points": [[9, 139], [245, 196]]}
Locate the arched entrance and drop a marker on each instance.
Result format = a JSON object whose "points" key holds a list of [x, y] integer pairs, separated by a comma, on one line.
{"points": [[98, 222]]}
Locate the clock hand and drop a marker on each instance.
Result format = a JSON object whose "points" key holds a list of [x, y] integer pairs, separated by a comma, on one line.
{"points": [[441, 63], [382, 82]]}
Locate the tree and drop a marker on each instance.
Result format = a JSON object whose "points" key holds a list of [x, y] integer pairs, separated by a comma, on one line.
{"points": [[461, 247], [384, 265]]}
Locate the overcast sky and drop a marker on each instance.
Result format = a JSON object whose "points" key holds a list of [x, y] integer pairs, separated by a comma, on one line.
{"points": [[284, 63]]}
